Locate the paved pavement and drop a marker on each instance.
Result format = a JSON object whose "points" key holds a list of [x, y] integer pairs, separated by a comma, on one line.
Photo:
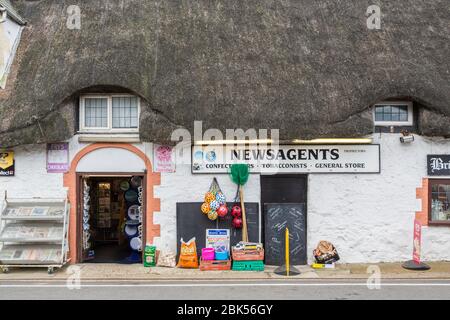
{"points": [[228, 290], [89, 271]]}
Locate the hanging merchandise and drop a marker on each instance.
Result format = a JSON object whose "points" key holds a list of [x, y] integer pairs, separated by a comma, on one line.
{"points": [[236, 223], [222, 211], [212, 215], [205, 208], [124, 185], [236, 211], [136, 182], [131, 231], [86, 217], [133, 212], [131, 196], [220, 198], [239, 175], [214, 199]]}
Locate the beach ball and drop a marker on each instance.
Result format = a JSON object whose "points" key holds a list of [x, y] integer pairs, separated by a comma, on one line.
{"points": [[220, 197], [205, 208], [236, 211], [222, 211], [209, 196], [212, 215], [236, 223], [214, 205]]}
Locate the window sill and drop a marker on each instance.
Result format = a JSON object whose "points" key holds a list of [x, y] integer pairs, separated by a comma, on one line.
{"points": [[439, 223], [108, 137]]}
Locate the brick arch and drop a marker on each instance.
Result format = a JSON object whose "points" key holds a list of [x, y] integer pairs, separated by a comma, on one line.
{"points": [[152, 203]]}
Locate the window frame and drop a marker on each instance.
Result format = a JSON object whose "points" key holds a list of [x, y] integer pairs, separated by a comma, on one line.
{"points": [[109, 128], [432, 182], [408, 123]]}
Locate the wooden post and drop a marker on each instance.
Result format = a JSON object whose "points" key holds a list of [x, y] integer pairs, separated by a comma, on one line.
{"points": [[244, 218]]}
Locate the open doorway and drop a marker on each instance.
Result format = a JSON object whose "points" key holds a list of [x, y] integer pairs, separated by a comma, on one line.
{"points": [[111, 218]]}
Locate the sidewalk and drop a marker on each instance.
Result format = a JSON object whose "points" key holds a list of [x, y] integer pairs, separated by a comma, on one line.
{"points": [[103, 272]]}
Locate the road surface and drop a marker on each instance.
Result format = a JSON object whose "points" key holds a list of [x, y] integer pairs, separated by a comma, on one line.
{"points": [[234, 290]]}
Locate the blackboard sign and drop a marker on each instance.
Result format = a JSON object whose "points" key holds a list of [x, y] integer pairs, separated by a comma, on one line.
{"points": [[438, 164], [277, 217], [191, 222]]}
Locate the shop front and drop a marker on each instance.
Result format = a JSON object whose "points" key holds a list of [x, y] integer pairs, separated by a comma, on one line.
{"points": [[111, 186]]}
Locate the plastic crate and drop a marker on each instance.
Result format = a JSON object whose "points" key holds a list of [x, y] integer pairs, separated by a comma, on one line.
{"points": [[248, 255], [246, 265], [215, 265]]}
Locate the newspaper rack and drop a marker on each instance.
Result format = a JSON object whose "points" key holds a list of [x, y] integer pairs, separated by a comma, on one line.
{"points": [[34, 233]]}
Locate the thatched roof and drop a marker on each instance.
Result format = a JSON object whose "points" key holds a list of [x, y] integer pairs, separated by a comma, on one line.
{"points": [[311, 68]]}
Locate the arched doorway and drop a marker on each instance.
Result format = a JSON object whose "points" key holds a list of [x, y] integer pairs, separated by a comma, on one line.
{"points": [[104, 157]]}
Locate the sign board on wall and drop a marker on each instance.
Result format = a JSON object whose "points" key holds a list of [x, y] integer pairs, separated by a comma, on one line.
{"points": [[7, 163], [417, 241], [57, 157], [163, 158], [288, 158], [438, 164]]}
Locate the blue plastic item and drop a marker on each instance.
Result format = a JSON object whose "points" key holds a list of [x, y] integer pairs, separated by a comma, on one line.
{"points": [[221, 255]]}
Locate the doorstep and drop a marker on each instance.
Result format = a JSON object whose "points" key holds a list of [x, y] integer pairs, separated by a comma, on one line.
{"points": [[114, 272]]}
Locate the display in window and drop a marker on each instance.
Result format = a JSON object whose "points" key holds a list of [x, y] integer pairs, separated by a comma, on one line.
{"points": [[440, 202]]}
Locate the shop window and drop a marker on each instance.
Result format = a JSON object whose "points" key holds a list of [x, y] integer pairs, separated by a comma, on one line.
{"points": [[440, 201], [393, 114], [109, 113]]}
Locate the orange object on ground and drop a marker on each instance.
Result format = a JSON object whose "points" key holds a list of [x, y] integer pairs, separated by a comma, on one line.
{"points": [[188, 254]]}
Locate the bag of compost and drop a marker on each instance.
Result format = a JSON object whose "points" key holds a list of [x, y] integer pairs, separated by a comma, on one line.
{"points": [[188, 254]]}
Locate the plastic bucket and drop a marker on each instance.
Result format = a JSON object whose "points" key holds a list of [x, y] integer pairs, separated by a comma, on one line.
{"points": [[208, 253]]}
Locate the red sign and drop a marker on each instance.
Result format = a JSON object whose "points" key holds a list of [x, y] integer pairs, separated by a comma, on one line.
{"points": [[417, 241]]}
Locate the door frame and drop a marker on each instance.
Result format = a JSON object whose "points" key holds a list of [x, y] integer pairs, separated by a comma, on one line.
{"points": [[79, 205], [262, 206]]}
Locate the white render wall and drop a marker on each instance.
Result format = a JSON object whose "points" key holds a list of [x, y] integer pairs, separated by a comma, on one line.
{"points": [[369, 217]]}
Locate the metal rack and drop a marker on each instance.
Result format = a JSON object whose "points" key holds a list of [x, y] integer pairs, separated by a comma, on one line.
{"points": [[34, 233]]}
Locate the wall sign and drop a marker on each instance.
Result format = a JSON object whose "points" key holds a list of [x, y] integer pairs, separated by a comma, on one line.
{"points": [[57, 157], [7, 163], [163, 158], [288, 158], [438, 164]]}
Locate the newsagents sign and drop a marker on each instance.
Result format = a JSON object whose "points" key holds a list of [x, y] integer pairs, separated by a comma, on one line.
{"points": [[288, 158], [438, 164]]}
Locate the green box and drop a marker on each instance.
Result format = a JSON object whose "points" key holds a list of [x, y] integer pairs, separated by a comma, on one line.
{"points": [[149, 256]]}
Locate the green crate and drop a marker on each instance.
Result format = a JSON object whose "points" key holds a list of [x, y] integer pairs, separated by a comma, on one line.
{"points": [[251, 265]]}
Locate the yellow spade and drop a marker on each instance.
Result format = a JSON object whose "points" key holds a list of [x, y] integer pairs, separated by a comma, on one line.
{"points": [[287, 269]]}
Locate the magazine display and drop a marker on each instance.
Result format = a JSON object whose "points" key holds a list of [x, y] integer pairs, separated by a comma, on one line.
{"points": [[34, 233]]}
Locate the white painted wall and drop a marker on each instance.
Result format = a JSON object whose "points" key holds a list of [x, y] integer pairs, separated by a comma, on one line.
{"points": [[369, 217]]}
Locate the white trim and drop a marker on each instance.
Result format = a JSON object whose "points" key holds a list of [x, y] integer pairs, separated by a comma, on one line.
{"points": [[409, 122], [109, 137], [109, 128]]}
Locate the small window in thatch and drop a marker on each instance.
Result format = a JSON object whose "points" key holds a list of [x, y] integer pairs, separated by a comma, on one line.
{"points": [[109, 113], [398, 113]]}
